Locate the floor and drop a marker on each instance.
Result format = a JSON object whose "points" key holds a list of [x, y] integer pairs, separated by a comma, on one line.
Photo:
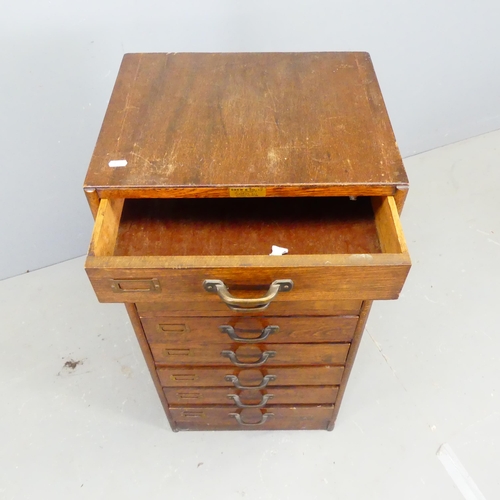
{"points": [[420, 419]]}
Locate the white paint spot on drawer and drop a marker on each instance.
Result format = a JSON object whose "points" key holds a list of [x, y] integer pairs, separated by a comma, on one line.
{"points": [[275, 250]]}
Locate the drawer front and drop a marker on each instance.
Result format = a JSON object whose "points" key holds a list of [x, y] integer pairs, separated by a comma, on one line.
{"points": [[249, 355], [228, 396], [190, 331], [233, 377], [272, 418], [275, 309], [354, 277]]}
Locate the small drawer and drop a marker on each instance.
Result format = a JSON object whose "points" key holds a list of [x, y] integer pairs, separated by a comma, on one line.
{"points": [[276, 309], [238, 398], [244, 378], [190, 331], [275, 418], [217, 250], [250, 355]]}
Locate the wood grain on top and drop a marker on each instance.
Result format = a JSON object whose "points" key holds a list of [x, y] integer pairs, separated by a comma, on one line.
{"points": [[196, 124]]}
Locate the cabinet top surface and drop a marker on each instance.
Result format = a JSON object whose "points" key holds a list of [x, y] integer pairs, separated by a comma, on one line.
{"points": [[195, 124]]}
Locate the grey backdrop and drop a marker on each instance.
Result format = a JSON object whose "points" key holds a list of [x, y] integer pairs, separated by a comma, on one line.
{"points": [[437, 63]]}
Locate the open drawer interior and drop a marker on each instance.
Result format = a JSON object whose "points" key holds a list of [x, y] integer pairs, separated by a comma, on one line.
{"points": [[152, 250], [248, 226]]}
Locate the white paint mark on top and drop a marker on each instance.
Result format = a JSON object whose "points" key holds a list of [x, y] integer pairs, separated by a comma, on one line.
{"points": [[118, 163], [463, 481]]}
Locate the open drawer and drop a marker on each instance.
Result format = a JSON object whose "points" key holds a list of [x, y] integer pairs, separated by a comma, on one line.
{"points": [[159, 250]]}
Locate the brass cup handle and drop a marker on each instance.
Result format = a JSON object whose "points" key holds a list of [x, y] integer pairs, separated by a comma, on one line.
{"points": [[239, 404], [263, 358], [244, 305], [265, 380], [263, 420], [263, 336]]}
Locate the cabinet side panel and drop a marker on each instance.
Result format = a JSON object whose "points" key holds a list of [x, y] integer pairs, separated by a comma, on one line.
{"points": [[146, 351], [363, 316], [93, 200], [400, 197]]}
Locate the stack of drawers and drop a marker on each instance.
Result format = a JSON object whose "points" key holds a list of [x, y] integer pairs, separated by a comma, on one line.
{"points": [[235, 371], [188, 202]]}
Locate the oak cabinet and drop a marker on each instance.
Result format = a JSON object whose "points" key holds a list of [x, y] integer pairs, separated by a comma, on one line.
{"points": [[203, 164]]}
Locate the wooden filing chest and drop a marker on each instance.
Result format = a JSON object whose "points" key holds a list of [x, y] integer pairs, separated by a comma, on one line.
{"points": [[204, 161]]}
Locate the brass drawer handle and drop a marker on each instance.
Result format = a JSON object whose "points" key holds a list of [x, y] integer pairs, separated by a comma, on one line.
{"points": [[265, 380], [263, 420], [263, 336], [263, 358], [144, 285], [239, 404], [244, 305]]}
